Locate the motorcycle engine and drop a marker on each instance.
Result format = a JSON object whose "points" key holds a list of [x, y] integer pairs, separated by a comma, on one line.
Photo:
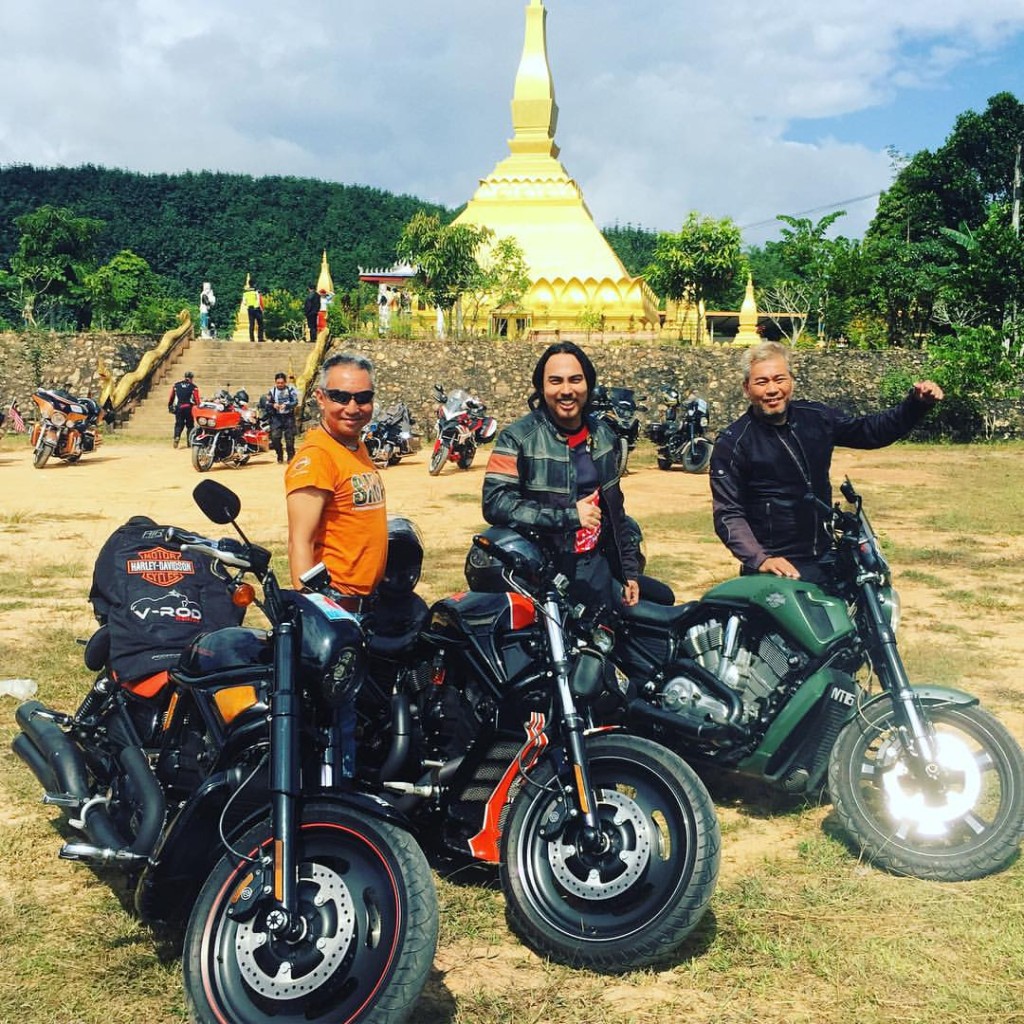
{"points": [[755, 667]]}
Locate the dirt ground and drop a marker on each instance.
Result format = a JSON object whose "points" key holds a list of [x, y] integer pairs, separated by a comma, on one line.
{"points": [[63, 513]]}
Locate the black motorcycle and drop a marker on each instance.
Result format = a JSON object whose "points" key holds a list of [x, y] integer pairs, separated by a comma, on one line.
{"points": [[619, 408], [309, 900], [391, 436], [763, 676], [681, 437], [479, 717]]}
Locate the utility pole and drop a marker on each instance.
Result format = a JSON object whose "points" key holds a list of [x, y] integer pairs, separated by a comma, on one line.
{"points": [[1016, 193]]}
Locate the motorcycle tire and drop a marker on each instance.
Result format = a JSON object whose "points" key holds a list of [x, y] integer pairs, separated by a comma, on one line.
{"points": [[967, 832], [438, 458], [367, 897], [696, 455], [664, 462], [634, 902], [466, 457], [622, 444], [202, 457], [41, 455]]}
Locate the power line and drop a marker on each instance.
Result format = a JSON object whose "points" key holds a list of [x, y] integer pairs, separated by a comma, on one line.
{"points": [[816, 209]]}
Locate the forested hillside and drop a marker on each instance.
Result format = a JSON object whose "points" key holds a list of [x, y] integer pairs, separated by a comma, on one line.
{"points": [[204, 226]]}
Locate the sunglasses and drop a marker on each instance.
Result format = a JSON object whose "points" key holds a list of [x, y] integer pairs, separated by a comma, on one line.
{"points": [[344, 397]]}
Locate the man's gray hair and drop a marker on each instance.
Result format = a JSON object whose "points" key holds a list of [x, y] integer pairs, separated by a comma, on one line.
{"points": [[345, 359], [762, 351]]}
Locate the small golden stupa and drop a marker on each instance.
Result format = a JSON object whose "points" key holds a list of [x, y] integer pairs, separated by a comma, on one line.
{"points": [[574, 272], [747, 333]]}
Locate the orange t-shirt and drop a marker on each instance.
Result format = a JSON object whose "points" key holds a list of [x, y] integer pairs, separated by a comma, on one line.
{"points": [[352, 538]]}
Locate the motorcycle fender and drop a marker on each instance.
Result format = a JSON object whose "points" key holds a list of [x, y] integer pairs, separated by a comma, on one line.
{"points": [[933, 694]]}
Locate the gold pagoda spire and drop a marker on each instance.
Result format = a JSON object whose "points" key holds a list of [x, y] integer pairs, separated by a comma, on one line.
{"points": [[747, 333], [534, 111], [324, 282]]}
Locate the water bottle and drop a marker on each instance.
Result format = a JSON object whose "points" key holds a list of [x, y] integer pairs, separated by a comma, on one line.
{"points": [[20, 689]]}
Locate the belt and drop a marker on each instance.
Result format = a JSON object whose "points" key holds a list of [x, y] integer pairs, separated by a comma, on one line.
{"points": [[352, 602]]}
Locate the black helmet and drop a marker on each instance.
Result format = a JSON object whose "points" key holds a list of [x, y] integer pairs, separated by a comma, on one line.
{"points": [[405, 557], [242, 396], [484, 572]]}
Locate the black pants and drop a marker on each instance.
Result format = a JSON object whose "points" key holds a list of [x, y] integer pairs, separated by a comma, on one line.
{"points": [[283, 426], [311, 323], [182, 421], [255, 317]]}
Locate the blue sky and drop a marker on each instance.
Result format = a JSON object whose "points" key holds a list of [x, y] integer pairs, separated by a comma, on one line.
{"points": [[744, 109]]}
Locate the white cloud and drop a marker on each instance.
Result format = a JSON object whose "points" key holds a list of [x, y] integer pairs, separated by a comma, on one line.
{"points": [[664, 108]]}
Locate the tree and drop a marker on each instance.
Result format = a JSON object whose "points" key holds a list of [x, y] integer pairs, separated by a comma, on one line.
{"points": [[697, 264], [118, 288], [501, 281], [53, 257], [444, 256]]}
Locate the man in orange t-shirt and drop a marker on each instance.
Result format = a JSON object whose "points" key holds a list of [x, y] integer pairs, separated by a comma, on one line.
{"points": [[335, 495]]}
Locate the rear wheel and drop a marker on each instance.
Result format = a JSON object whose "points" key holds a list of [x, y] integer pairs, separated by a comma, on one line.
{"points": [[466, 456], [966, 825], [438, 458], [368, 929], [202, 455], [664, 462], [696, 455], [633, 899]]}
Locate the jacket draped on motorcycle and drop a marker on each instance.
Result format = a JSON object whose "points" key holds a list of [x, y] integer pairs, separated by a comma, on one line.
{"points": [[530, 485], [761, 472]]}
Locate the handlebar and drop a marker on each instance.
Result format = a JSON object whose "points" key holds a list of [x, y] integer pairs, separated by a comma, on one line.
{"points": [[226, 549]]}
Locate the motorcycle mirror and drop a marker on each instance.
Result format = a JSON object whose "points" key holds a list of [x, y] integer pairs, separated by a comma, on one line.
{"points": [[217, 503]]}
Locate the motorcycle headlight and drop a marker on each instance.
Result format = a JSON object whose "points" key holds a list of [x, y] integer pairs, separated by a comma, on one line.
{"points": [[344, 678], [58, 419], [891, 607]]}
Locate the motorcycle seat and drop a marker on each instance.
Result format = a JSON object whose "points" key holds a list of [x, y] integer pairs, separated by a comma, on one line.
{"points": [[647, 613], [395, 624]]}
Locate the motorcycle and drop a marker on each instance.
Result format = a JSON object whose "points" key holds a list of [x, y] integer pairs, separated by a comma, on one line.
{"points": [[462, 426], [478, 716], [225, 430], [66, 428], [618, 407], [760, 677], [683, 440], [309, 900], [391, 436]]}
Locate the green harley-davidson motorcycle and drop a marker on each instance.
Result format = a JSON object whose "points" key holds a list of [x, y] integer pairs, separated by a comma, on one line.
{"points": [[803, 685]]}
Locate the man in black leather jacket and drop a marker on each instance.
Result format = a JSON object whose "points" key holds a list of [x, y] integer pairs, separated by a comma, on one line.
{"points": [[554, 474], [780, 450]]}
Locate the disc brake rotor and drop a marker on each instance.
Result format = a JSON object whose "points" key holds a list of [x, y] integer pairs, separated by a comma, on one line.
{"points": [[607, 873], [908, 802], [280, 970]]}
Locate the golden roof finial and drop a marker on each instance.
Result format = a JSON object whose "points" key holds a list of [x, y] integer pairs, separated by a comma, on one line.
{"points": [[534, 111], [324, 282]]}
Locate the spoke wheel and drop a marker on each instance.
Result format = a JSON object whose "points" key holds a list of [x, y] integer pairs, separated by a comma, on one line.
{"points": [[438, 458], [202, 455], [368, 929], [965, 826], [633, 899], [42, 454]]}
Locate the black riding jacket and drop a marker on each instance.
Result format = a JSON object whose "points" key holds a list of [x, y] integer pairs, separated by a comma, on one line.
{"points": [[761, 472]]}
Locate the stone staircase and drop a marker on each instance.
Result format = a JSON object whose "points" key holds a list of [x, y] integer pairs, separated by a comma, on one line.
{"points": [[216, 364]]}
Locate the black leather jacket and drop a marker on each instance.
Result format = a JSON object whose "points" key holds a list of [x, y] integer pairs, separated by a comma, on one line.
{"points": [[760, 473], [530, 485]]}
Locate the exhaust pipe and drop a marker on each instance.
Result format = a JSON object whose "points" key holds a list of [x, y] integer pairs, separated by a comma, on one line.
{"points": [[641, 714], [59, 766]]}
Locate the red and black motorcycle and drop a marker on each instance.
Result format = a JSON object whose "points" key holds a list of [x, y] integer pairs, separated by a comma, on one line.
{"points": [[462, 426], [226, 430]]}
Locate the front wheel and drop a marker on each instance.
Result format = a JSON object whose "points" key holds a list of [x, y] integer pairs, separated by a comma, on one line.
{"points": [[438, 458], [633, 898], [664, 462], [202, 455], [964, 825], [369, 929], [696, 455], [622, 450], [42, 454]]}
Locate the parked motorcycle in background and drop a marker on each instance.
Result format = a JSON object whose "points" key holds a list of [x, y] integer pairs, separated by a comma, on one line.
{"points": [[221, 798], [772, 678], [66, 429], [462, 426], [681, 437], [391, 436], [227, 430], [618, 407], [478, 717]]}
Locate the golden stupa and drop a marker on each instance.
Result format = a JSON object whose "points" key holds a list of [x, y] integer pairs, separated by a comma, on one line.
{"points": [[576, 278]]}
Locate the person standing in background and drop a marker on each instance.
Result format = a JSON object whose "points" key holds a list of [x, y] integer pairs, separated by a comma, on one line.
{"points": [[282, 400], [207, 300], [311, 308], [183, 398], [253, 302]]}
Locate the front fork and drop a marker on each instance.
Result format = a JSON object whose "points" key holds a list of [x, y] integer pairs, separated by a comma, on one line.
{"points": [[918, 734], [573, 724]]}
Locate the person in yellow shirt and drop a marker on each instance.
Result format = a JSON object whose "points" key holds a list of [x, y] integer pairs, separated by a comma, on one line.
{"points": [[253, 302], [335, 494]]}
